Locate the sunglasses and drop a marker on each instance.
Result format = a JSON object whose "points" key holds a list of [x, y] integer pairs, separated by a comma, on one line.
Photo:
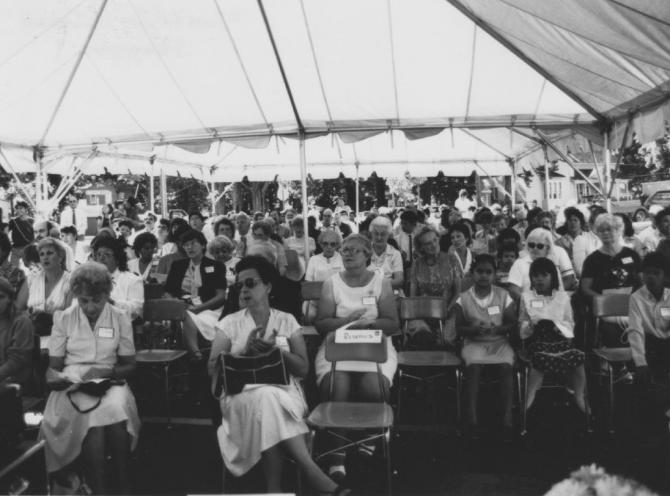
{"points": [[539, 246], [249, 283]]}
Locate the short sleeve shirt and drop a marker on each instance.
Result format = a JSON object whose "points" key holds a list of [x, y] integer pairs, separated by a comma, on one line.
{"points": [[73, 338], [388, 262], [620, 271], [237, 327]]}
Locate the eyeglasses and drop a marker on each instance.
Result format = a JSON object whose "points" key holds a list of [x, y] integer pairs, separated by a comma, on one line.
{"points": [[350, 250], [249, 283], [327, 243], [539, 246]]}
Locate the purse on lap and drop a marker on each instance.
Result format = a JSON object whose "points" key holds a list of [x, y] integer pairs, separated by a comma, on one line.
{"points": [[236, 371], [94, 389]]}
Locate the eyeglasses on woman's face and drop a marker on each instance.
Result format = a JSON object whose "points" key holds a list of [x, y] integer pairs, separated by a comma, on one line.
{"points": [[330, 244], [539, 246], [352, 250], [249, 283]]}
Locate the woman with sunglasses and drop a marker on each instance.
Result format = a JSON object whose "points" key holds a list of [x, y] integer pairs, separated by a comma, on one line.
{"points": [[201, 281], [540, 244], [264, 422], [362, 299]]}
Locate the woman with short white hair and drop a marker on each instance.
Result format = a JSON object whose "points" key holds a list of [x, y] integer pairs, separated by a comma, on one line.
{"points": [[385, 258], [540, 244]]}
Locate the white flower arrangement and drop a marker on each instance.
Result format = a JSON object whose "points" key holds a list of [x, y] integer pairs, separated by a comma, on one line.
{"points": [[594, 481]]}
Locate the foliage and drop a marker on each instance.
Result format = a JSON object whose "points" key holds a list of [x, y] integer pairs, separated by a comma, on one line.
{"points": [[443, 189]]}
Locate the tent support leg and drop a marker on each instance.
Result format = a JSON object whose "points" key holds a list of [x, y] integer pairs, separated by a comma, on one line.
{"points": [[163, 191], [358, 192], [608, 170], [152, 191]]}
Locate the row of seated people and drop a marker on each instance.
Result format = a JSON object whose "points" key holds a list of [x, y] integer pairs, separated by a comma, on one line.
{"points": [[335, 308]]}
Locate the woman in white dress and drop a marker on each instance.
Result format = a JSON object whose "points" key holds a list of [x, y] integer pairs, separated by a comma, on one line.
{"points": [[48, 289], [359, 298], [264, 421], [90, 341], [144, 245], [385, 258]]}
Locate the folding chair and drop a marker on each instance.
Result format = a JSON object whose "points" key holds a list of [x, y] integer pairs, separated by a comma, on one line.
{"points": [[162, 353], [293, 269], [310, 291], [610, 305], [335, 415], [426, 307], [153, 290]]}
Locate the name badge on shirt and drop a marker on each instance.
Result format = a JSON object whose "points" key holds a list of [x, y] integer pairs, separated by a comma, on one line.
{"points": [[665, 312], [209, 270], [106, 332], [281, 341], [494, 310], [369, 300], [537, 304], [627, 260]]}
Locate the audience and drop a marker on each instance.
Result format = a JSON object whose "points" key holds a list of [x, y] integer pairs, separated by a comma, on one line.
{"points": [[16, 339], [144, 246]]}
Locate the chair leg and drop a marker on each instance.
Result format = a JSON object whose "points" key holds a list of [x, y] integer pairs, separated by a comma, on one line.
{"points": [[610, 398], [387, 450], [459, 382], [524, 410], [400, 374], [167, 395]]}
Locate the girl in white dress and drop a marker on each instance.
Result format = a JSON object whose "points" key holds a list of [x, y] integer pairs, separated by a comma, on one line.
{"points": [[264, 421], [361, 299]]}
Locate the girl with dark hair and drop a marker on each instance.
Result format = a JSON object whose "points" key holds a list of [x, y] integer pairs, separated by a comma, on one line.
{"points": [[485, 317], [545, 317], [461, 237], [144, 246], [128, 290]]}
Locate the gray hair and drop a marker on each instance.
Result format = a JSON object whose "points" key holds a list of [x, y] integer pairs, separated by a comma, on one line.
{"points": [[264, 249], [616, 223], [92, 278], [332, 232], [381, 221], [422, 232], [220, 243], [362, 241]]}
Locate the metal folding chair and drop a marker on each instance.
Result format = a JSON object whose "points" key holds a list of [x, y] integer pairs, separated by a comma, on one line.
{"points": [[355, 416], [163, 352], [425, 307], [310, 291], [610, 305]]}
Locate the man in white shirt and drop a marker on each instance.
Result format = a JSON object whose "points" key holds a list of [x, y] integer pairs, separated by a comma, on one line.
{"points": [[73, 214], [409, 227], [587, 242]]}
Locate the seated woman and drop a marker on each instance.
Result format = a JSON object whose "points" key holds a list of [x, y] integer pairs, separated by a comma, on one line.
{"points": [[362, 299], [49, 289], [385, 258], [128, 290], [485, 317], [90, 341], [9, 269], [433, 273], [323, 265], [296, 242], [202, 281], [545, 316], [16, 339], [144, 246], [539, 244], [263, 232], [222, 249], [263, 422], [461, 238]]}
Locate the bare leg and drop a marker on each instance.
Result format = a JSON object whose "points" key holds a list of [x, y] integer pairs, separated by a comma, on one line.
{"points": [[118, 441], [341, 392], [369, 388], [190, 333], [578, 380], [507, 392], [534, 382], [93, 459], [297, 450], [272, 465], [473, 373]]}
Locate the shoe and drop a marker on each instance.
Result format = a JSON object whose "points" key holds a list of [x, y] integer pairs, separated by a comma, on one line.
{"points": [[337, 473], [367, 450]]}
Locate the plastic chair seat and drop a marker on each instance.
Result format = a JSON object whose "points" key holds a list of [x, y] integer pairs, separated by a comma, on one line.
{"points": [[158, 356], [428, 359], [620, 355], [351, 415]]}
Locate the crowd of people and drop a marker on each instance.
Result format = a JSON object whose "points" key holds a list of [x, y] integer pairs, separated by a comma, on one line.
{"points": [[513, 279]]}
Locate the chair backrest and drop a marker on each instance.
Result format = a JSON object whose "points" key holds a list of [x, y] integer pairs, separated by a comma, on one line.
{"points": [[361, 352], [293, 270], [423, 307], [164, 309], [153, 290], [311, 290], [610, 305]]}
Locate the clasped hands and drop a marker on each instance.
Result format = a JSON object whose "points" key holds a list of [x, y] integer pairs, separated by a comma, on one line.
{"points": [[257, 345]]}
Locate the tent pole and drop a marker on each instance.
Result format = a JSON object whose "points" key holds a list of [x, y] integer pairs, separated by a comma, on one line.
{"points": [[303, 185], [358, 199], [608, 171], [163, 192], [512, 165], [19, 183], [596, 166], [546, 178], [152, 192]]}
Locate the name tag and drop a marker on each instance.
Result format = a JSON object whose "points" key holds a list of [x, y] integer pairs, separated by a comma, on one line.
{"points": [[369, 300], [665, 312], [209, 270], [351, 336], [537, 304], [494, 310], [106, 332], [196, 300], [281, 341], [627, 260]]}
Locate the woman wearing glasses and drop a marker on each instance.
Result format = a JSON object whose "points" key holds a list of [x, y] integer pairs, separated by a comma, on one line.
{"points": [[264, 422], [540, 244], [361, 299], [320, 267]]}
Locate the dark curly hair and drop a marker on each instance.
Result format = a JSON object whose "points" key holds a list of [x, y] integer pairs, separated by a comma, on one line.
{"points": [[118, 248], [266, 271], [143, 239]]}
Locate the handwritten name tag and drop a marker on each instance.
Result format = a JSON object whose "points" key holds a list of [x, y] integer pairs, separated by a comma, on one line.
{"points": [[537, 304], [106, 332], [209, 270], [369, 300], [494, 310], [281, 341], [627, 260], [665, 312], [351, 336]]}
